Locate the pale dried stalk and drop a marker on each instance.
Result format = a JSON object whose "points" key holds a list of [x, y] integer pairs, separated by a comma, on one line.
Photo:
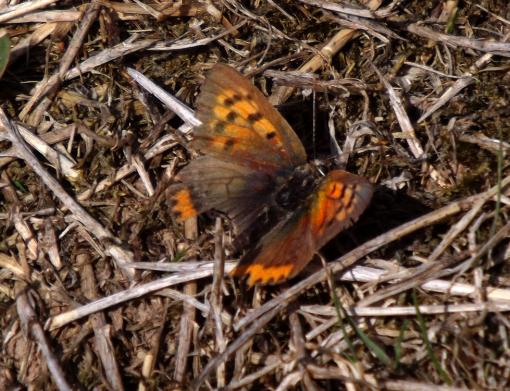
{"points": [[149, 361], [60, 161], [184, 338], [466, 80], [37, 36], [121, 297], [52, 137], [290, 381], [107, 55], [102, 330], [144, 175], [405, 385], [491, 144], [252, 377], [450, 92], [23, 9], [162, 9], [187, 323], [298, 345], [498, 48], [205, 308], [360, 12], [375, 29], [50, 245], [216, 297], [402, 117], [48, 17], [179, 108], [32, 326], [187, 43], [23, 228], [392, 311], [10, 264]]}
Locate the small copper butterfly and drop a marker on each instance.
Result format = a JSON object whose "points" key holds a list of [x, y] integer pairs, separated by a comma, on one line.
{"points": [[254, 162]]}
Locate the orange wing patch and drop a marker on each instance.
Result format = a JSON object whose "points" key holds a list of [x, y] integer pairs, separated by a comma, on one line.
{"points": [[262, 274], [281, 254], [332, 200], [240, 107], [183, 205], [338, 202]]}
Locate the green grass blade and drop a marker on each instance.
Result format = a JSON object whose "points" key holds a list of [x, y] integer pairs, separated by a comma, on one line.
{"points": [[423, 330], [5, 48], [397, 347], [376, 350]]}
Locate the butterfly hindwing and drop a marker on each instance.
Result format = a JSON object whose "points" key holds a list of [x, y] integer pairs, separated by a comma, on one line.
{"points": [[338, 201], [240, 125]]}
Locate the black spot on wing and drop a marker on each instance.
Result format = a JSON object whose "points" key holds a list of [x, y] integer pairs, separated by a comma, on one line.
{"points": [[219, 127], [231, 116], [254, 117], [230, 101], [229, 144]]}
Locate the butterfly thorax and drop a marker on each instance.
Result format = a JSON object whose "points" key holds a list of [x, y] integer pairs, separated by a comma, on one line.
{"points": [[293, 188]]}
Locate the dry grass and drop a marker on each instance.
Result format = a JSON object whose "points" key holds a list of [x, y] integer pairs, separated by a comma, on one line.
{"points": [[101, 288]]}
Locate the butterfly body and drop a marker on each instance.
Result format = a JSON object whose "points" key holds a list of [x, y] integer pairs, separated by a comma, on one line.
{"points": [[295, 187], [254, 164]]}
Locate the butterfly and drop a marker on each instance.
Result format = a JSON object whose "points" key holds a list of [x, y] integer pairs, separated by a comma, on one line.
{"points": [[253, 162]]}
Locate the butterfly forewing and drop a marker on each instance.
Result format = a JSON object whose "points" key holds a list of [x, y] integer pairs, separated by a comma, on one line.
{"points": [[338, 201], [247, 143], [239, 124]]}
